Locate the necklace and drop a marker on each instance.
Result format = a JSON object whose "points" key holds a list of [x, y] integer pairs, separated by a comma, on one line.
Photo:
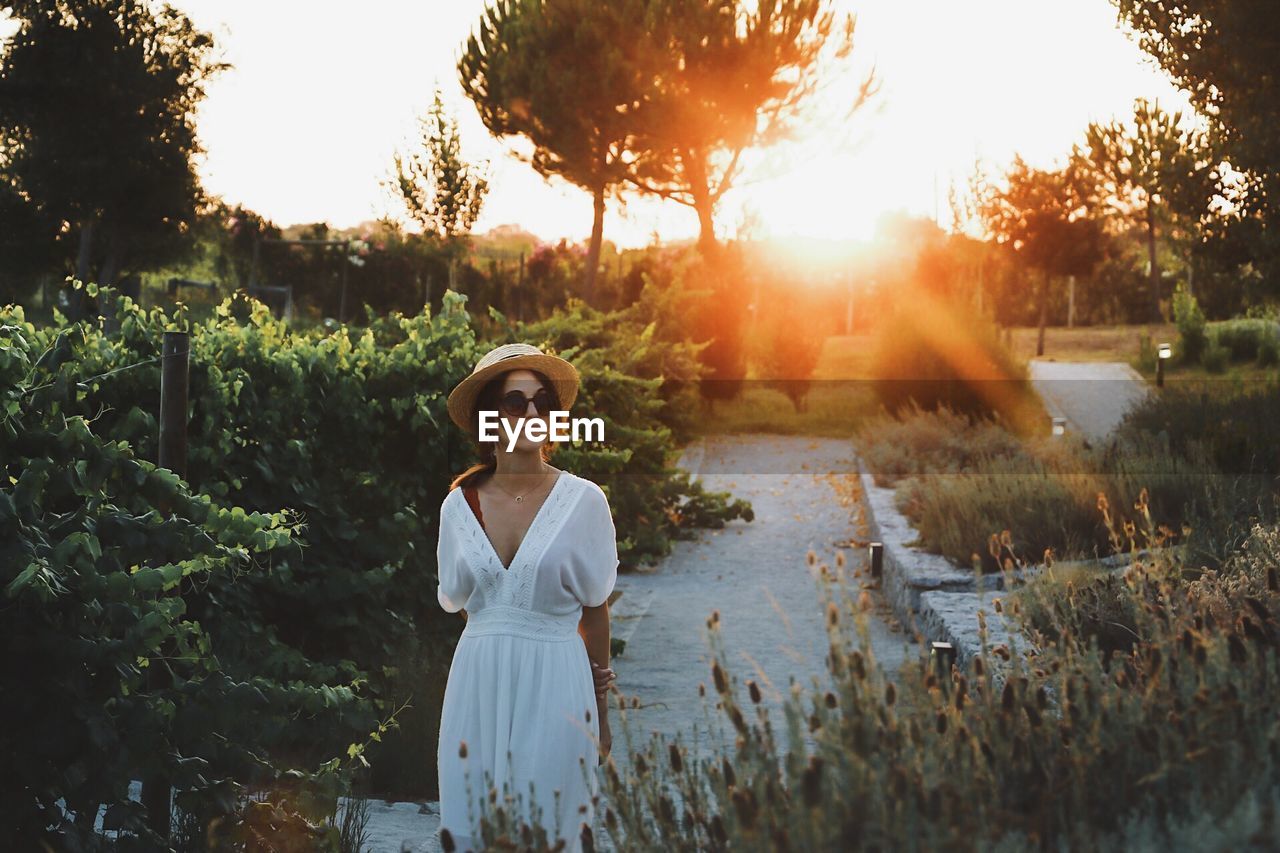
{"points": [[519, 498]]}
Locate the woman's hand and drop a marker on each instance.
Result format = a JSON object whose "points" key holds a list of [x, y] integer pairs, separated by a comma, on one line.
{"points": [[603, 678]]}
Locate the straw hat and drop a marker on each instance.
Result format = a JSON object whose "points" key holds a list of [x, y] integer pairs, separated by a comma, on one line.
{"points": [[562, 374]]}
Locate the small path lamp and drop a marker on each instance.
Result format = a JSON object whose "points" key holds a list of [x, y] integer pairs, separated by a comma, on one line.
{"points": [[1163, 353]]}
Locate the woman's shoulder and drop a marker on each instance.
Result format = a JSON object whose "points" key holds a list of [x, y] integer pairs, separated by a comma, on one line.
{"points": [[589, 489]]}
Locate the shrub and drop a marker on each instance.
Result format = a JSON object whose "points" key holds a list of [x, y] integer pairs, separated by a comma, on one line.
{"points": [[1215, 356], [938, 441], [936, 354], [1191, 325], [1244, 337], [1231, 433], [125, 592], [1268, 352], [959, 482]]}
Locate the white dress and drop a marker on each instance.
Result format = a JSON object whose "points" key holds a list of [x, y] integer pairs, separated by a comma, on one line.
{"points": [[520, 688]]}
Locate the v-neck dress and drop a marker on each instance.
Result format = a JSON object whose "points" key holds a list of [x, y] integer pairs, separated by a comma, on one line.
{"points": [[520, 693]]}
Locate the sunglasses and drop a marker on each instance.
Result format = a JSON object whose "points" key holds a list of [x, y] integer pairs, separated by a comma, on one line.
{"points": [[515, 403]]}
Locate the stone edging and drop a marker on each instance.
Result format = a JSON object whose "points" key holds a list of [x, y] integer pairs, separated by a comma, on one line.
{"points": [[931, 595]]}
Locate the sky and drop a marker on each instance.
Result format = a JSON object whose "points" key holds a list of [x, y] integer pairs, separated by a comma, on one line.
{"points": [[322, 94]]}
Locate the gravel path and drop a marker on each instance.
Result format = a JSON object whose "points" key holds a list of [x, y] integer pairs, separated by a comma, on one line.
{"points": [[1092, 396], [755, 573]]}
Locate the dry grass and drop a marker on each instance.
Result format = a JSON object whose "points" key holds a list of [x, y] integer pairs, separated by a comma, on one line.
{"points": [[1091, 343]]}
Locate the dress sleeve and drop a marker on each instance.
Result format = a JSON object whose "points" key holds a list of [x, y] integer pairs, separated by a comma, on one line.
{"points": [[592, 567], [455, 580]]}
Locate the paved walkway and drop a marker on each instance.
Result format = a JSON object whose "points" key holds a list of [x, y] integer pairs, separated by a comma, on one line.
{"points": [[1092, 396], [755, 573]]}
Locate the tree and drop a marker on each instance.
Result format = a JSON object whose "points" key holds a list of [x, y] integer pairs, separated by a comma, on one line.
{"points": [[565, 76], [1223, 54], [441, 191], [726, 79], [97, 103], [1042, 215], [1155, 174]]}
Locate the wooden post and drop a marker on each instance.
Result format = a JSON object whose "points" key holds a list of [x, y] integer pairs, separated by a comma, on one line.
{"points": [[156, 788]]}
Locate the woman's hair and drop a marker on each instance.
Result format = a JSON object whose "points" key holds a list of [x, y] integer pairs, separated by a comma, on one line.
{"points": [[487, 400]]}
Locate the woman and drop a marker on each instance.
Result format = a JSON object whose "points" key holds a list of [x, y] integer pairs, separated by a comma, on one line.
{"points": [[530, 552]]}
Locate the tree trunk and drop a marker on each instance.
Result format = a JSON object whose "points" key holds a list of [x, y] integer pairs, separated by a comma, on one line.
{"points": [[707, 244], [593, 249], [1044, 313], [1155, 263], [1071, 302], [695, 171]]}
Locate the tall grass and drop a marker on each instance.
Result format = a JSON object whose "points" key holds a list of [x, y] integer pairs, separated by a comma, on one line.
{"points": [[1170, 743], [1205, 466]]}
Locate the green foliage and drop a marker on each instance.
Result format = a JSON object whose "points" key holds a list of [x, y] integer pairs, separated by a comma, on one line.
{"points": [[441, 191], [1222, 55], [641, 377], [1245, 337], [1191, 326], [1268, 352], [117, 576], [1205, 465], [1155, 176], [1231, 431], [1071, 747], [316, 462], [1215, 356], [1037, 213], [96, 125]]}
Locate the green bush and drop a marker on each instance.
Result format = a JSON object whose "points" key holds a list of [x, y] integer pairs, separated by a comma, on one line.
{"points": [[1231, 432], [122, 585], [1215, 357], [1268, 353], [1191, 325], [1244, 337], [959, 483]]}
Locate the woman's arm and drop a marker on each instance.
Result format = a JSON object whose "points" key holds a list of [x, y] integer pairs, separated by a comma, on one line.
{"points": [[594, 629]]}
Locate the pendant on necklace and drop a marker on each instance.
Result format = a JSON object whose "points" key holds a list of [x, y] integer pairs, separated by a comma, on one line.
{"points": [[519, 498]]}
